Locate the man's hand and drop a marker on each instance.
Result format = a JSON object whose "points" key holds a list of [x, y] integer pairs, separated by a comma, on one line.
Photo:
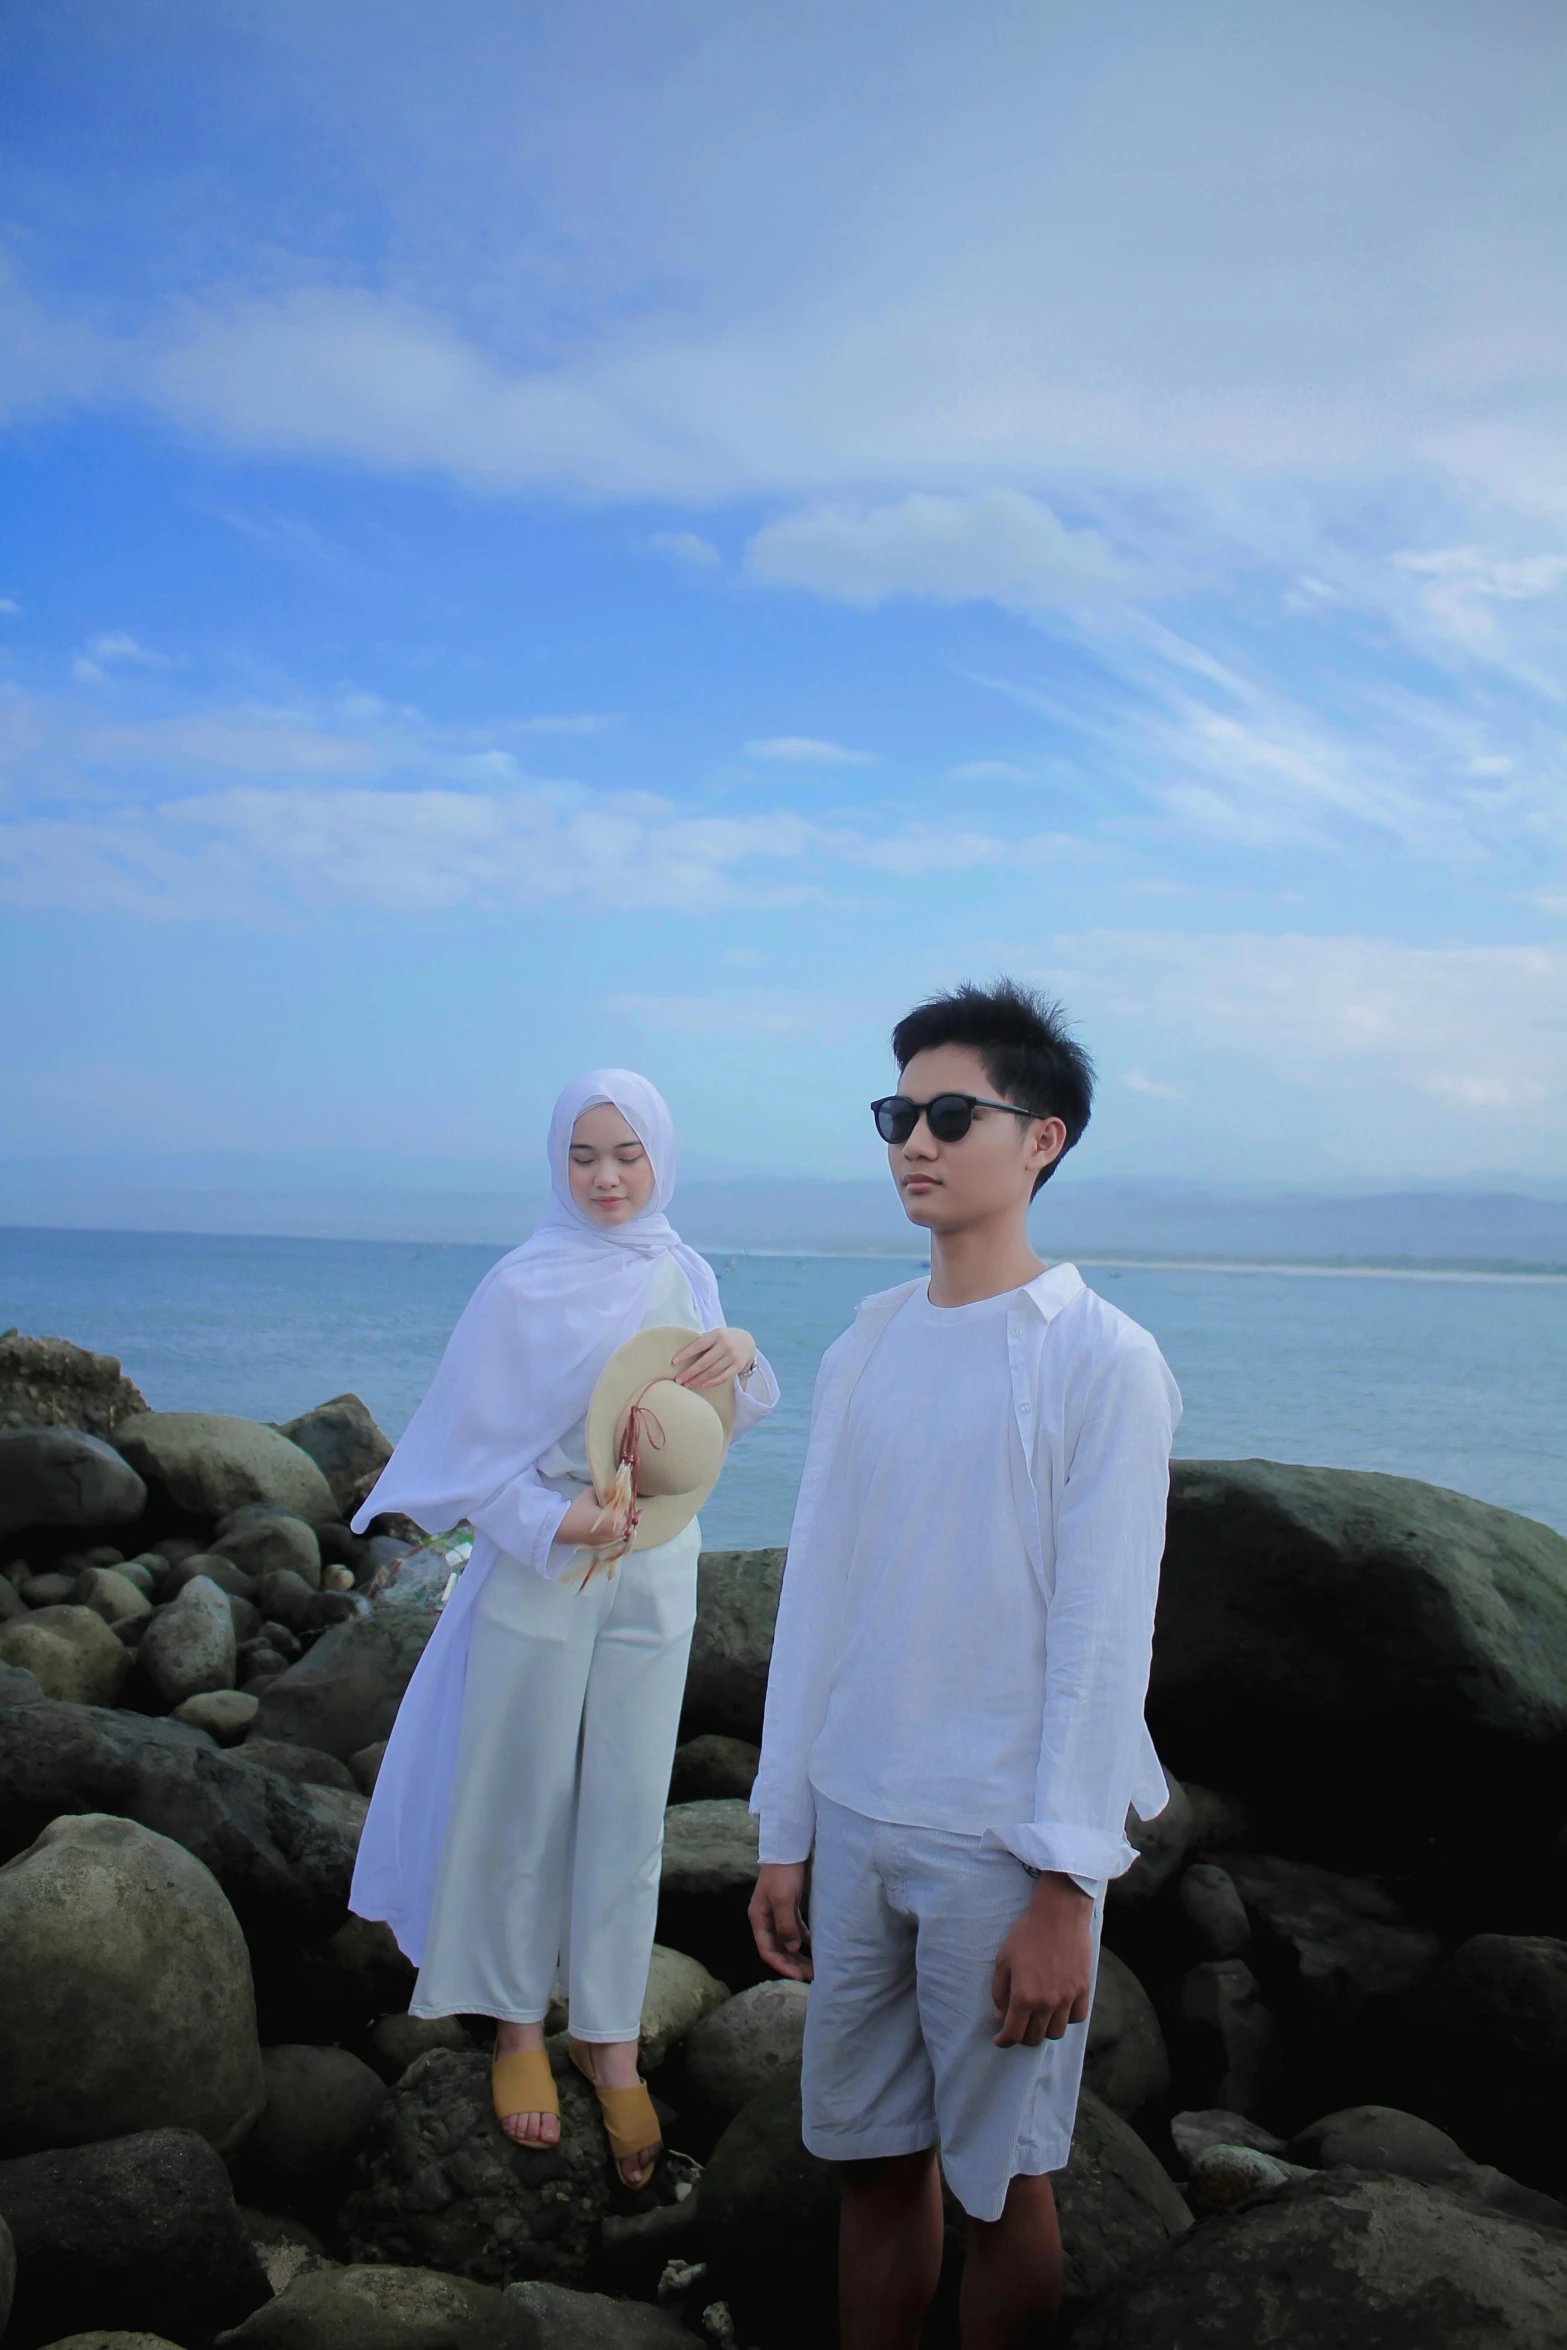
{"points": [[715, 1356], [782, 1936], [1044, 1966]]}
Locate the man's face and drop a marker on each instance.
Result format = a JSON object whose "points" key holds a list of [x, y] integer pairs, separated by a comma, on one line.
{"points": [[990, 1170]]}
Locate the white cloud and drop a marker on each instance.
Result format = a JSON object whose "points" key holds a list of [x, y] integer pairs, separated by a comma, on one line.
{"points": [[989, 771], [119, 647], [687, 546], [1140, 1083], [588, 722], [997, 544], [10, 607], [808, 750]]}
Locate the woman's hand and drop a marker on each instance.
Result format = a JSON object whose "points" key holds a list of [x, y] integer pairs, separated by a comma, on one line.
{"points": [[590, 1523], [714, 1357]]}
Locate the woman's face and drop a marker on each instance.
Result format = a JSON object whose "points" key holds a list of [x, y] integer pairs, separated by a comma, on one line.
{"points": [[611, 1174]]}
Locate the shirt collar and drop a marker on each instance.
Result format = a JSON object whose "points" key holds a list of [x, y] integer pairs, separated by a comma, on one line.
{"points": [[1052, 1289]]}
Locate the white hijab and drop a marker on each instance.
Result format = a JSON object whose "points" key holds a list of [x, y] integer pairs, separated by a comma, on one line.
{"points": [[515, 1378], [524, 1358]]}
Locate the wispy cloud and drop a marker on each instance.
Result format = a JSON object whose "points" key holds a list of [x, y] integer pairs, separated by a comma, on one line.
{"points": [[687, 546], [997, 544], [807, 750]]}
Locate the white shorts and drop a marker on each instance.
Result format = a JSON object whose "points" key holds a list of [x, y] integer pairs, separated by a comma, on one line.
{"points": [[900, 2047]]}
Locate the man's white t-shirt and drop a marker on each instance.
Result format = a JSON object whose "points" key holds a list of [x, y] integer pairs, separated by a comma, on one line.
{"points": [[935, 1712]]}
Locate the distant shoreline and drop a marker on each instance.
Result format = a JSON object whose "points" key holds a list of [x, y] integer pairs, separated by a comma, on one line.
{"points": [[1354, 1268]]}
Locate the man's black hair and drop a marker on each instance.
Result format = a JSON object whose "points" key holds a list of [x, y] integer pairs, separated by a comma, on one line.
{"points": [[1022, 1037]]}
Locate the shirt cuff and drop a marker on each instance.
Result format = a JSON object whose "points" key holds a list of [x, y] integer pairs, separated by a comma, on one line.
{"points": [[784, 1840], [1057, 1847]]}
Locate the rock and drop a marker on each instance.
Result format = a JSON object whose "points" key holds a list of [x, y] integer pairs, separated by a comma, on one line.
{"points": [[283, 1866], [63, 1477], [7, 2273], [71, 1653], [337, 1579], [345, 1693], [319, 2104], [1338, 1959], [1220, 1823], [395, 2041], [225, 1714], [110, 1593], [375, 2308], [50, 1383], [709, 1871], [216, 1568], [101, 2338], [268, 1543], [1380, 2138], [286, 1598], [1227, 2048], [749, 2044], [679, 1993], [1355, 1636], [1344, 2263], [713, 1766], [343, 1804], [1192, 2132], [189, 1646], [1161, 1847], [12, 1604], [1489, 2040], [443, 2186], [307, 1766], [51, 1590], [737, 1602], [348, 1448], [125, 1992], [1115, 2203], [1224, 2175], [592, 2321], [768, 2221], [207, 1464], [1125, 2062], [363, 1973], [139, 2233], [1213, 1909], [366, 1766]]}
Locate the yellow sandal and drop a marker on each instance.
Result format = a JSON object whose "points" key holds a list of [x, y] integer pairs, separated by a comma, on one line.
{"points": [[523, 2083], [630, 2122]]}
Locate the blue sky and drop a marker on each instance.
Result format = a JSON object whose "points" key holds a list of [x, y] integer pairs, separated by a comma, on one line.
{"points": [[535, 535]]}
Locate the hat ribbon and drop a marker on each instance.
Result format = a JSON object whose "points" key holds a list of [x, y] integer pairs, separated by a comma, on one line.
{"points": [[642, 1425]]}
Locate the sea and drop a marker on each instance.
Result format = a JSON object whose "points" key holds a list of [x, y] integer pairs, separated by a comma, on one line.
{"points": [[1456, 1377]]}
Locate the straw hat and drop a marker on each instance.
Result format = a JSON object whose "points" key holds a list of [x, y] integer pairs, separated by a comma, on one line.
{"points": [[680, 1435]]}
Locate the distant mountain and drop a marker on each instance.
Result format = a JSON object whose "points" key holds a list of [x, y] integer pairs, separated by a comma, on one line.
{"points": [[368, 1196]]}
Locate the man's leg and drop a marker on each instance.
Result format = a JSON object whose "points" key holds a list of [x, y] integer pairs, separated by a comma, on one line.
{"points": [[1012, 2270], [889, 2250]]}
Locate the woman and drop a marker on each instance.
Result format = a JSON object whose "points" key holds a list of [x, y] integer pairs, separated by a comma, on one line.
{"points": [[517, 1820]]}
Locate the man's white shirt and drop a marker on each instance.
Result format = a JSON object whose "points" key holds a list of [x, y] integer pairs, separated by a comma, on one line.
{"points": [[966, 1621]]}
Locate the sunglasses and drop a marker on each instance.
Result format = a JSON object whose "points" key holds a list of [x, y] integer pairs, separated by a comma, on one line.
{"points": [[948, 1115]]}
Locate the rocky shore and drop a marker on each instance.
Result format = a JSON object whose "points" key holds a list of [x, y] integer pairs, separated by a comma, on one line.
{"points": [[1327, 2066]]}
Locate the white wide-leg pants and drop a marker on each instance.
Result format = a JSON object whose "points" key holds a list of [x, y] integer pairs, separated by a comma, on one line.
{"points": [[555, 1834]]}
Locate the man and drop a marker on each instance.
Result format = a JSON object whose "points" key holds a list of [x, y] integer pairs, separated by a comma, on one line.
{"points": [[954, 1723]]}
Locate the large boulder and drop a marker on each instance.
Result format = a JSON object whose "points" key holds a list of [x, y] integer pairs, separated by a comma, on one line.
{"points": [[375, 2308], [1115, 2203], [141, 2234], [1125, 2062], [732, 1646], [63, 1477], [1345, 2262], [344, 1692], [125, 1993], [592, 2321], [1225, 2041], [749, 2044], [189, 1646], [708, 1874], [319, 2104], [266, 1542], [1340, 1944], [1160, 1844], [70, 1651], [50, 1383], [768, 2220], [7, 2273], [713, 1765], [283, 1864], [348, 1448], [1380, 1656], [209, 1463], [115, 1596], [1489, 2051], [444, 2187]]}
